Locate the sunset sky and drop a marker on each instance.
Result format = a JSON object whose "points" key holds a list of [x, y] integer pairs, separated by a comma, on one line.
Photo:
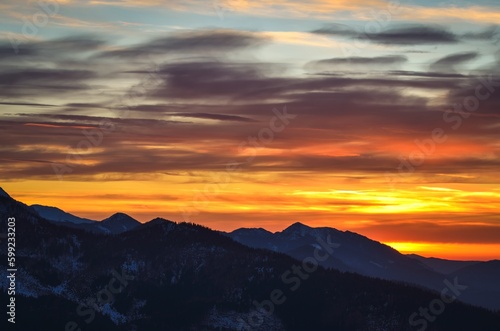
{"points": [[378, 117]]}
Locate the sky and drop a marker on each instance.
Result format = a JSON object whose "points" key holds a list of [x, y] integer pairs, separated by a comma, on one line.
{"points": [[378, 117]]}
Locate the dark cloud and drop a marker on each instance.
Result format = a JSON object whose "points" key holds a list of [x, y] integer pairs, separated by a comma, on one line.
{"points": [[28, 83], [85, 105], [449, 62], [490, 33], [193, 42], [26, 104], [51, 49], [412, 35], [7, 51], [341, 30], [219, 117], [488, 86], [31, 76], [214, 79], [380, 60], [402, 35], [427, 74], [76, 43], [357, 63]]}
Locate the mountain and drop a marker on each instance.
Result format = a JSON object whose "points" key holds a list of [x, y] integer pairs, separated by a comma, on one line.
{"points": [[3, 193], [359, 254], [57, 215], [119, 222], [487, 274], [443, 266], [484, 285], [163, 275], [355, 253], [114, 224]]}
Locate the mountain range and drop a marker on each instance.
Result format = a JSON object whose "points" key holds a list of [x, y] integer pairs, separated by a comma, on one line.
{"points": [[163, 275], [359, 254], [116, 223]]}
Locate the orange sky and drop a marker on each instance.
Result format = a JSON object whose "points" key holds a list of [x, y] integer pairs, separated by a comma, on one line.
{"points": [[454, 221]]}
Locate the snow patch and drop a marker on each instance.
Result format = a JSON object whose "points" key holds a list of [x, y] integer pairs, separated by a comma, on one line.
{"points": [[115, 316]]}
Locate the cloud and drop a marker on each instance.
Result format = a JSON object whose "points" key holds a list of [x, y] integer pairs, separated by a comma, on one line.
{"points": [[450, 62], [336, 110], [26, 104], [490, 33], [427, 74], [459, 227], [414, 35], [342, 30], [30, 76], [349, 124], [54, 48], [219, 117], [32, 82], [214, 79], [191, 42], [402, 35], [357, 63]]}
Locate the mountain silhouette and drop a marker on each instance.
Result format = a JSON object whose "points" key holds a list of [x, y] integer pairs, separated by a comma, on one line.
{"points": [[119, 222], [359, 254], [163, 275]]}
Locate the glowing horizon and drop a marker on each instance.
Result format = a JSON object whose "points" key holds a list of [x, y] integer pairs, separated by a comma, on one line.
{"points": [[146, 207]]}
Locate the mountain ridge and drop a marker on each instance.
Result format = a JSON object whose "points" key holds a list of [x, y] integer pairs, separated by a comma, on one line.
{"points": [[59, 215], [183, 276], [362, 255], [356, 253]]}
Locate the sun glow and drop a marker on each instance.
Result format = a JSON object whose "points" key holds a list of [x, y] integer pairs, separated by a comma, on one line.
{"points": [[453, 251]]}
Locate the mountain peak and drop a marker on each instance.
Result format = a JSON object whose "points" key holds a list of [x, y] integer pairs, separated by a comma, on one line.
{"points": [[3, 193], [298, 225], [120, 222], [297, 229], [118, 216], [159, 220]]}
